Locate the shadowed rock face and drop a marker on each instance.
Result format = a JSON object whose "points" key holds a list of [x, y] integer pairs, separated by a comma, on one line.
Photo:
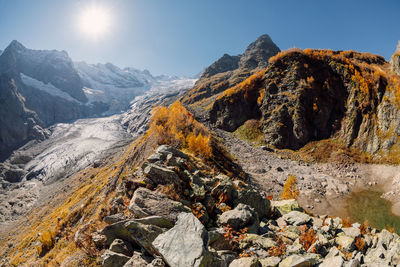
{"points": [[309, 98], [224, 64], [53, 67], [18, 123]]}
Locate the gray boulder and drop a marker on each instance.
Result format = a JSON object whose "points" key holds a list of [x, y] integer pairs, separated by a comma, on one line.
{"points": [[143, 234], [122, 247], [245, 262], [113, 259], [160, 175], [255, 200], [131, 231], [270, 262], [351, 231], [238, 218], [346, 242], [185, 243], [138, 260], [297, 218], [336, 261], [114, 218], [146, 203], [298, 261]]}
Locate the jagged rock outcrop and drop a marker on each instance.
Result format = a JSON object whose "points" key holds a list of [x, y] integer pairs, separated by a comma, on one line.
{"points": [[257, 53], [224, 64], [230, 70], [395, 61], [18, 122], [53, 67], [311, 95]]}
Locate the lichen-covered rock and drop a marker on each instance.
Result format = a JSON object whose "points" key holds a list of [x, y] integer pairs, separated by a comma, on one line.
{"points": [[217, 240], [160, 175], [254, 199], [143, 234], [258, 241], [238, 218], [297, 218], [146, 203], [185, 244], [114, 218], [298, 261], [122, 247], [159, 221], [138, 260], [395, 62], [113, 259], [133, 232], [224, 186], [286, 206]]}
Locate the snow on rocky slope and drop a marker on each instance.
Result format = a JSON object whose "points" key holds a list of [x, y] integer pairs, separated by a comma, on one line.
{"points": [[118, 87]]}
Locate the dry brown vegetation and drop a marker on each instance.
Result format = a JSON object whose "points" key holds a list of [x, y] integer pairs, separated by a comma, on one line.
{"points": [[366, 70], [279, 249], [234, 237], [253, 83], [360, 243]]}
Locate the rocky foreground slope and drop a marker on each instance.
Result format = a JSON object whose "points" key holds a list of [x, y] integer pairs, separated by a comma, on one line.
{"points": [[228, 223]]}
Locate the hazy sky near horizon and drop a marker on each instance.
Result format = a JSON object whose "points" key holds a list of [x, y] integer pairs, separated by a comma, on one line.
{"points": [[182, 37]]}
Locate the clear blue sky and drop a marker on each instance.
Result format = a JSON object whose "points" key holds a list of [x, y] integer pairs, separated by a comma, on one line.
{"points": [[182, 37]]}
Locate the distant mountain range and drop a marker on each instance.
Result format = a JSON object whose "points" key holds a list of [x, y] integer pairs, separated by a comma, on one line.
{"points": [[41, 87]]}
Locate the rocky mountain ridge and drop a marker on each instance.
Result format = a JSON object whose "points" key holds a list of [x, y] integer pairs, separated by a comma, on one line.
{"points": [[230, 70], [310, 95]]}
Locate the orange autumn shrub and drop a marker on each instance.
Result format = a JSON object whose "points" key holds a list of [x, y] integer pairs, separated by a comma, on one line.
{"points": [[290, 190], [177, 127], [307, 237]]}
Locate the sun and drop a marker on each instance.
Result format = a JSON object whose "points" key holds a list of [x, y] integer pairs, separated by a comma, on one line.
{"points": [[94, 21]]}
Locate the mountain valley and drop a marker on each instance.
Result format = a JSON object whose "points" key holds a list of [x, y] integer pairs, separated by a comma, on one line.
{"points": [[249, 165]]}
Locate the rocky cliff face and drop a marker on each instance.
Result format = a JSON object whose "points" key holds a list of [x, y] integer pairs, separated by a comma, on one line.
{"points": [[230, 70], [311, 95], [18, 122], [53, 67]]}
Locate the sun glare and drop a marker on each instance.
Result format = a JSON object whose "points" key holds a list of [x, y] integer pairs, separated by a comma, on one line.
{"points": [[95, 21]]}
